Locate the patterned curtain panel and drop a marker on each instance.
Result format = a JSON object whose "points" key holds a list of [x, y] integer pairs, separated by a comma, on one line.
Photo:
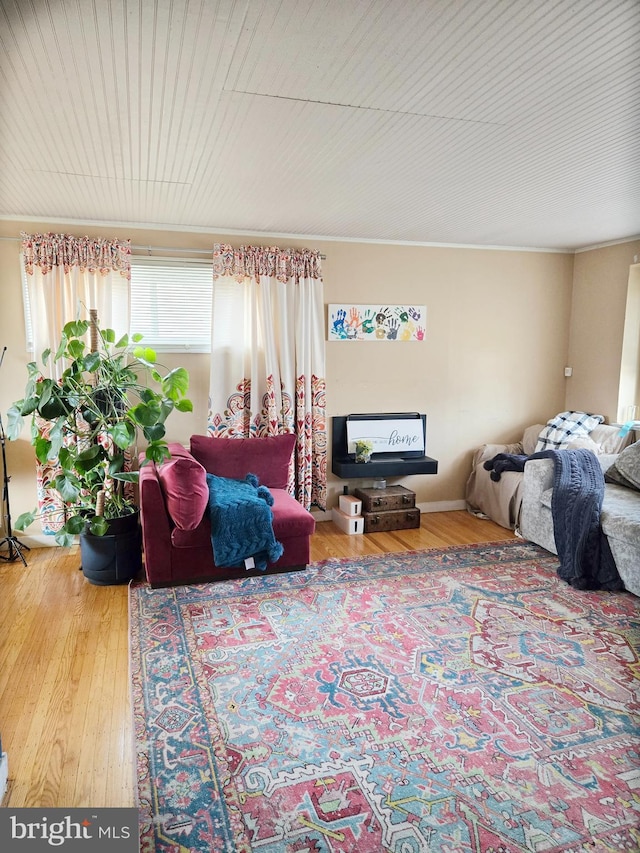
{"points": [[66, 277], [267, 356]]}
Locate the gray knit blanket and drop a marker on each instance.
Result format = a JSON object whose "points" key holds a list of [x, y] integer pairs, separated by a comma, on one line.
{"points": [[242, 522], [586, 561]]}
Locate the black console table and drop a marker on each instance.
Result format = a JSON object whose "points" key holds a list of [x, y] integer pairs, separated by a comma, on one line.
{"points": [[384, 465]]}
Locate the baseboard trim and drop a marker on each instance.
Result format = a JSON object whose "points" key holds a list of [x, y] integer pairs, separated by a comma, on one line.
{"points": [[40, 540]]}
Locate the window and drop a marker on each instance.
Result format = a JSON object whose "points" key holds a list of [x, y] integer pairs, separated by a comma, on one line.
{"points": [[171, 303]]}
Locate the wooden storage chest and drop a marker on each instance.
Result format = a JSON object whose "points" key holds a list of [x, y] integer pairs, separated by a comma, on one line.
{"points": [[391, 519], [393, 508], [393, 497]]}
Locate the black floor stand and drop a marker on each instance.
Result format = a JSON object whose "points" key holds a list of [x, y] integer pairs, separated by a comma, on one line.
{"points": [[15, 548], [15, 552]]}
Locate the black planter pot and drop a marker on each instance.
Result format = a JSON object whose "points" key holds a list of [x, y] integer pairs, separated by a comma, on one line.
{"points": [[115, 557]]}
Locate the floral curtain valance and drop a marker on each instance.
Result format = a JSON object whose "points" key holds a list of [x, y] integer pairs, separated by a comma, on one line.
{"points": [[47, 251], [254, 261]]}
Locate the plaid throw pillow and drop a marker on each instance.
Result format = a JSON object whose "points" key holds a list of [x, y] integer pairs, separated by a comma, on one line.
{"points": [[567, 425]]}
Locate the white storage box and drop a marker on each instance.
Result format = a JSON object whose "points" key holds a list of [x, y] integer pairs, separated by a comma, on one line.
{"points": [[350, 505], [348, 523]]}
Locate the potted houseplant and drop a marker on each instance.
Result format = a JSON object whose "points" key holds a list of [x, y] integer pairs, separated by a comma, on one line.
{"points": [[88, 423], [364, 448]]}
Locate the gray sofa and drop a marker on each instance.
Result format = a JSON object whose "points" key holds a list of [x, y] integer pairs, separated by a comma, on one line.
{"points": [[619, 519], [501, 501]]}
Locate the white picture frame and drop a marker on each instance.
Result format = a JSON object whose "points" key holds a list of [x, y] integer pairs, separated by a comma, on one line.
{"points": [[375, 322], [387, 435]]}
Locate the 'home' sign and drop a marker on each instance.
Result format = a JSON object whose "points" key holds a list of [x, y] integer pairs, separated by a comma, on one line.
{"points": [[388, 435]]}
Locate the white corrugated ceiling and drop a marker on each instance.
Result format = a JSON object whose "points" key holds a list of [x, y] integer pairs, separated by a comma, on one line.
{"points": [[488, 122]]}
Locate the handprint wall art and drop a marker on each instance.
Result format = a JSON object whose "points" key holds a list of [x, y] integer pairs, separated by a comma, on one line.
{"points": [[377, 322]]}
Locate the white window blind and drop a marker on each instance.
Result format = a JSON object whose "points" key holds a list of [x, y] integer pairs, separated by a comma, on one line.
{"points": [[171, 303]]}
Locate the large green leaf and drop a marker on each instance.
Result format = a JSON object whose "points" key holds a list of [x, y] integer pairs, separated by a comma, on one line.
{"points": [[145, 354], [147, 395], [45, 390], [65, 539], [76, 328], [166, 407], [176, 383], [146, 414], [75, 524], [92, 361], [51, 405], [157, 452], [62, 347], [65, 459], [29, 406], [99, 525], [25, 519], [67, 485], [14, 421], [116, 464], [89, 458], [76, 348], [154, 432], [56, 437], [123, 434], [42, 446], [127, 476], [52, 409]]}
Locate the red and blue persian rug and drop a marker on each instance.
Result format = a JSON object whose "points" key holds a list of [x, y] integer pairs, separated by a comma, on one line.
{"points": [[454, 700]]}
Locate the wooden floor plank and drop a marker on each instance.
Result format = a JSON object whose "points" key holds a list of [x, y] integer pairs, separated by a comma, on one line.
{"points": [[65, 714]]}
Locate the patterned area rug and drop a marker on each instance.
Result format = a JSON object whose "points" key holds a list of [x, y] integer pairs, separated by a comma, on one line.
{"points": [[453, 700]]}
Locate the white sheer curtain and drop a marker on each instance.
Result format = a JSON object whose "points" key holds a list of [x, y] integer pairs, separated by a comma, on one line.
{"points": [[267, 355], [66, 277]]}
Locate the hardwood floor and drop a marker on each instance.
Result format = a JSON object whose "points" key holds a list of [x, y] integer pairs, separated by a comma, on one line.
{"points": [[65, 716]]}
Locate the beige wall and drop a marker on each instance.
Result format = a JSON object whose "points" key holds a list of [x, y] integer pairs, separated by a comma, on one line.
{"points": [[492, 359], [599, 301], [491, 363]]}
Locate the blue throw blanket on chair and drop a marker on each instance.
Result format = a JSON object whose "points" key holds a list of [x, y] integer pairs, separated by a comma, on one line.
{"points": [[241, 522]]}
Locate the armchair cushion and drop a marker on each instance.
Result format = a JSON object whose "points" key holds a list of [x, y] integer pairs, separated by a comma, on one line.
{"points": [[184, 486], [268, 458], [625, 471]]}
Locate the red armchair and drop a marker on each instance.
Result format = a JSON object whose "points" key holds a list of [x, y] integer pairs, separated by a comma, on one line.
{"points": [[176, 529]]}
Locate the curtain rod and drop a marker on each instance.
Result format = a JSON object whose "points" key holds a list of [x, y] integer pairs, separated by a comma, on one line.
{"points": [[190, 251], [159, 248]]}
